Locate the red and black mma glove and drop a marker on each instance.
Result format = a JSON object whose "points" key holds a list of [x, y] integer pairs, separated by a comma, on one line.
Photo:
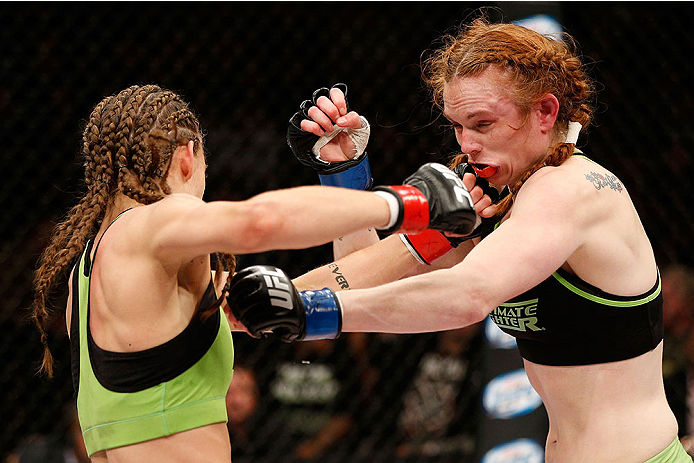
{"points": [[428, 246], [354, 173], [433, 197], [265, 300]]}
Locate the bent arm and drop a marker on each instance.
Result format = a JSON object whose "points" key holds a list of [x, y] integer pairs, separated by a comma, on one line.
{"points": [[385, 261], [546, 226], [182, 227]]}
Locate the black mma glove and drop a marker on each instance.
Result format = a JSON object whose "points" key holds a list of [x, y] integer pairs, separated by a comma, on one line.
{"points": [[433, 197], [355, 173], [428, 246], [264, 299], [488, 224]]}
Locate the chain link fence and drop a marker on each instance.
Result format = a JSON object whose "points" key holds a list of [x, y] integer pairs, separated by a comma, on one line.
{"points": [[245, 67]]}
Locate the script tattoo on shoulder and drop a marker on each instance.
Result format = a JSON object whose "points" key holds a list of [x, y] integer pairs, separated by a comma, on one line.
{"points": [[600, 181], [339, 278]]}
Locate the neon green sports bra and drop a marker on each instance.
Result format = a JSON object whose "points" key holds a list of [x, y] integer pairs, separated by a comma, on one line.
{"points": [[125, 398]]}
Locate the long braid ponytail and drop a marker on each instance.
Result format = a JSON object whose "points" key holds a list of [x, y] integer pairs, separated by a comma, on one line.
{"points": [[82, 220]]}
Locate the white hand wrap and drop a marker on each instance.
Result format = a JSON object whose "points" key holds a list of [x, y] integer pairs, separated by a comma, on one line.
{"points": [[360, 138]]}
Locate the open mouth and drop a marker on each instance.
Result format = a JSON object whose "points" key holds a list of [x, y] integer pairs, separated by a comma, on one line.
{"points": [[484, 170]]}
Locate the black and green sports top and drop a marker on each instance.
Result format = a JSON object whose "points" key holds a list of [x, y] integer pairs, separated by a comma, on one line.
{"points": [[566, 321], [125, 398]]}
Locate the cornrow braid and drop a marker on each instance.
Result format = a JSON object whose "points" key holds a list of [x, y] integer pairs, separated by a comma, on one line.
{"points": [[128, 143], [130, 112], [174, 132], [90, 139], [145, 189], [533, 64]]}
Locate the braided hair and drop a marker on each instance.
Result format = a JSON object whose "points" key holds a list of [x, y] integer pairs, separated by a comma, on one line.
{"points": [[535, 65], [128, 143]]}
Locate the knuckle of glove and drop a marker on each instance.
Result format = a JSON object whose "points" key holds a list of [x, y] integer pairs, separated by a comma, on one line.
{"points": [[341, 86], [423, 179], [465, 168], [295, 121], [244, 287], [433, 183], [451, 210], [420, 182], [304, 107], [323, 91], [487, 224]]}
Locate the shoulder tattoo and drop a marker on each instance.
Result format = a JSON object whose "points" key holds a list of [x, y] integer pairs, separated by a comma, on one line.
{"points": [[600, 181]]}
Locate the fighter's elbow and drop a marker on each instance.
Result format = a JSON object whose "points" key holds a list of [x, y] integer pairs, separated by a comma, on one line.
{"points": [[476, 310], [482, 311], [475, 303], [263, 224]]}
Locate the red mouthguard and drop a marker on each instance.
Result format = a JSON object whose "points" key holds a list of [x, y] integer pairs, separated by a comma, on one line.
{"points": [[486, 172]]}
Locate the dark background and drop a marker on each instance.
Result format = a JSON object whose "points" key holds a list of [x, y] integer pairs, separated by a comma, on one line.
{"points": [[245, 67]]}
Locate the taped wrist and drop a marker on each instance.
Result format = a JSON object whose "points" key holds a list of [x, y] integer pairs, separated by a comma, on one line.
{"points": [[427, 246], [357, 177], [412, 212], [323, 315], [360, 138]]}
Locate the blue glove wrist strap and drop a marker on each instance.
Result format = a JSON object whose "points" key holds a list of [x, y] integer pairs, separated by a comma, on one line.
{"points": [[357, 177], [323, 316]]}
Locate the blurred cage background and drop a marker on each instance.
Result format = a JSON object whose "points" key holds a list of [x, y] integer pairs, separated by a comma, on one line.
{"points": [[245, 67]]}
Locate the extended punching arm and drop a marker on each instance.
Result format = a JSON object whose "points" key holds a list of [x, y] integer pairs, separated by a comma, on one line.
{"points": [[264, 299]]}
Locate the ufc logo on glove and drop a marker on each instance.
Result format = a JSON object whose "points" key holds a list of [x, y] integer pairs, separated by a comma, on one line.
{"points": [[279, 293], [459, 189]]}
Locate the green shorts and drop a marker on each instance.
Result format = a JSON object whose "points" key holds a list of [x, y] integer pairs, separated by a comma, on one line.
{"points": [[674, 453]]}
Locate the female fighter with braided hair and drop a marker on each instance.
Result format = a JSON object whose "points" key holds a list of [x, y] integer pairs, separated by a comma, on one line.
{"points": [[152, 353], [563, 263]]}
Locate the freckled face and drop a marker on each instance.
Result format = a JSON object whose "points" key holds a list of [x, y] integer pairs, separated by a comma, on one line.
{"points": [[489, 127]]}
